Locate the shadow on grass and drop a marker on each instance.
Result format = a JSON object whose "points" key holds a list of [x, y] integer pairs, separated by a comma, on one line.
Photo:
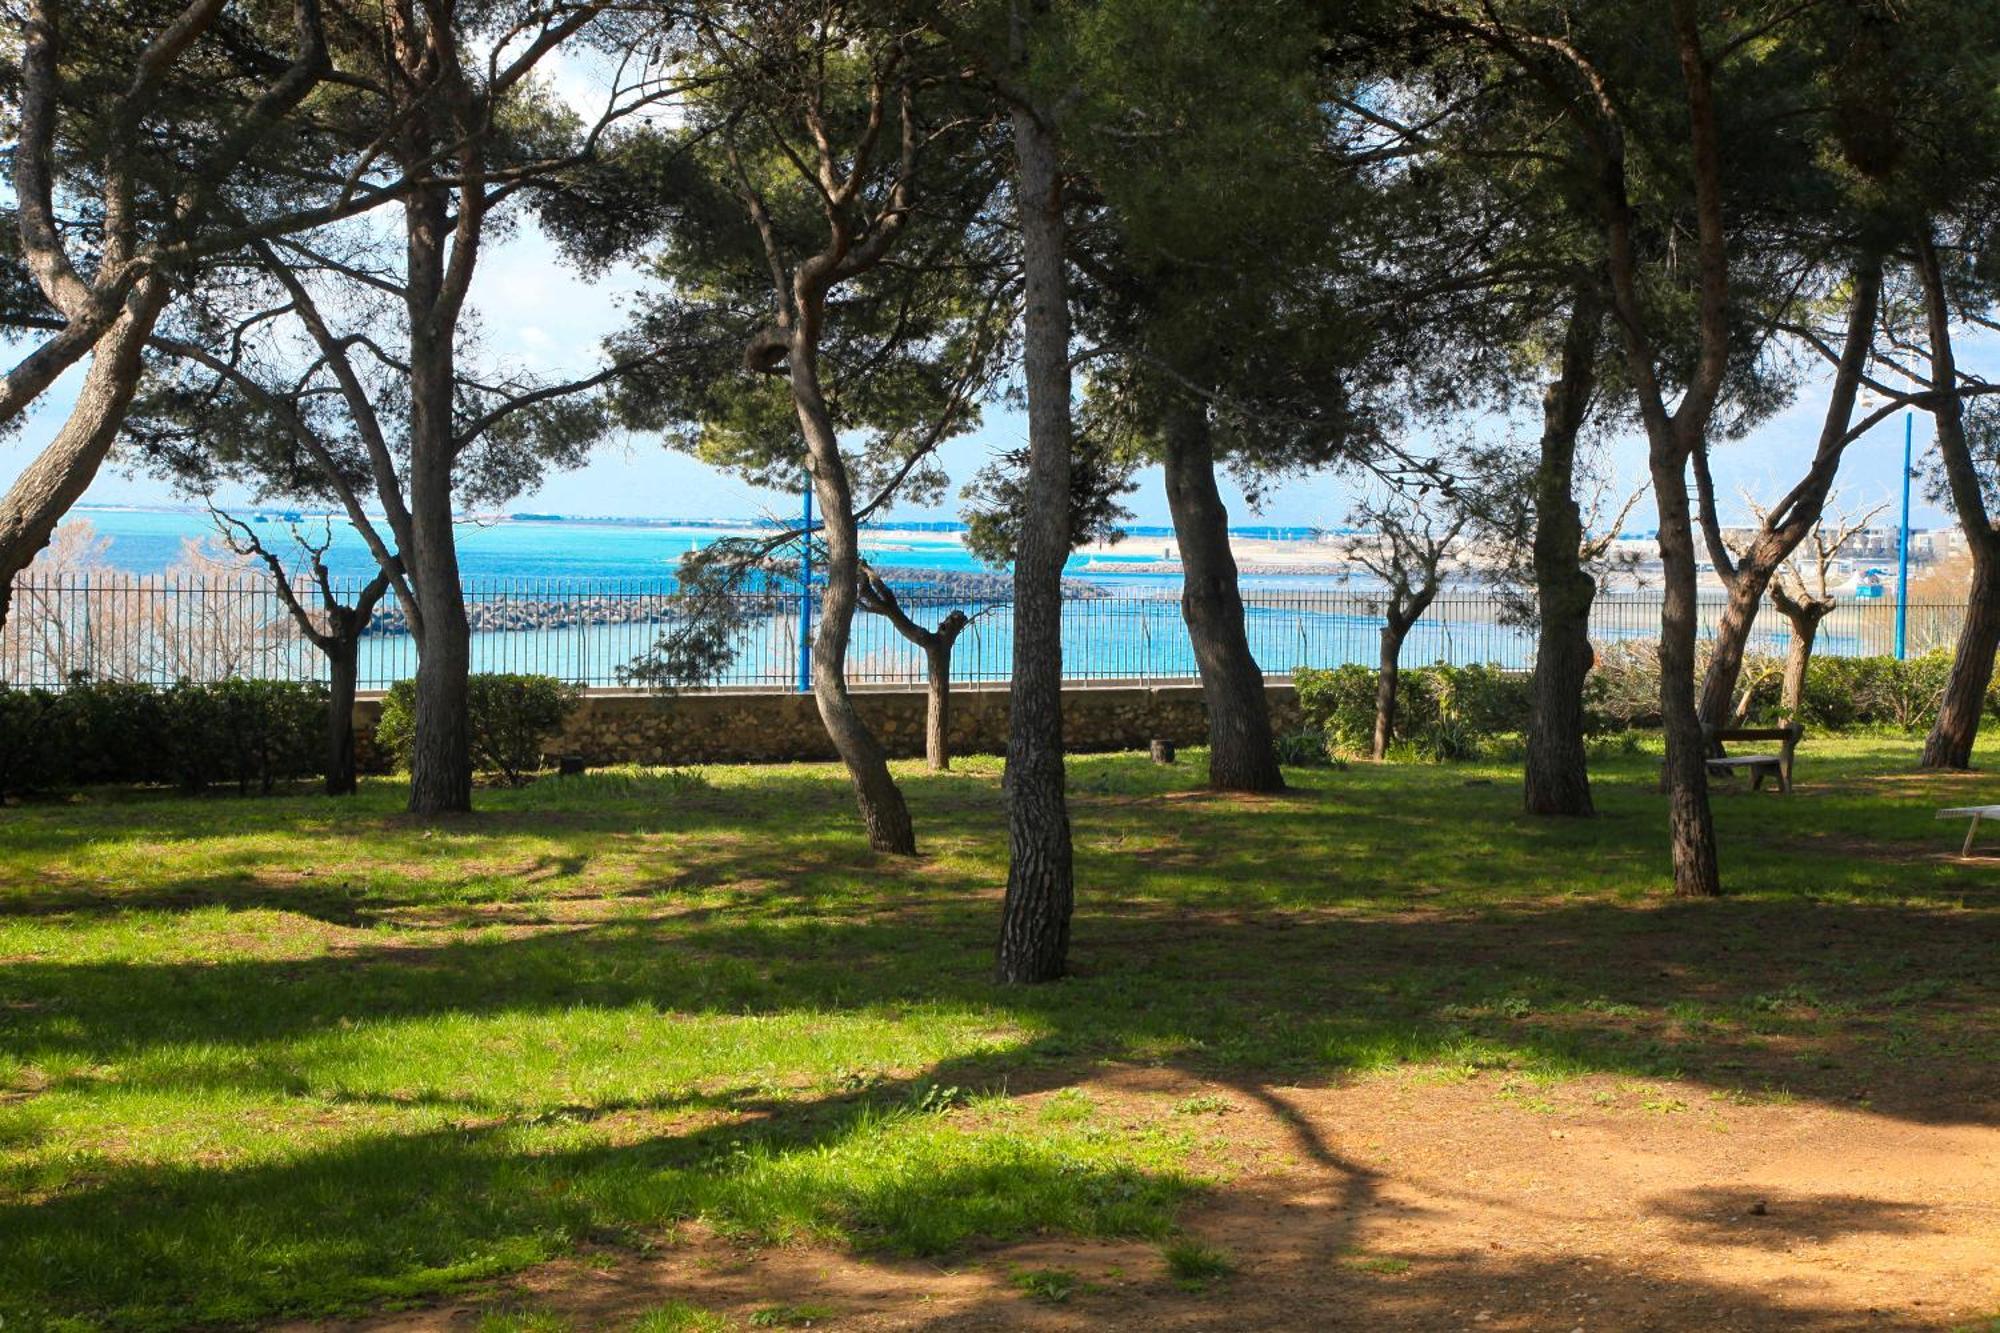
{"points": [[389, 1216], [1832, 1001]]}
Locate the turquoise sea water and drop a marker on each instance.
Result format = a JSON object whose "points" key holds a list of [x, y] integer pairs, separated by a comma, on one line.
{"points": [[576, 551], [556, 579]]}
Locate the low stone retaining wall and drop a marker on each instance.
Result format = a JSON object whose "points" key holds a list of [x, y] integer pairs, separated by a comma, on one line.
{"points": [[726, 726]]}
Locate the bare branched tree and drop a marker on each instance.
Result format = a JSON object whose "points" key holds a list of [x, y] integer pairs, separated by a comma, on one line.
{"points": [[333, 626], [1408, 545], [1803, 590]]}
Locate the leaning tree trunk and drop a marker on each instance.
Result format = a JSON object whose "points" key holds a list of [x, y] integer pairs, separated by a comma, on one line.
{"points": [[937, 709], [1041, 885], [1951, 738], [1804, 614], [1556, 780], [343, 660], [61, 473], [1241, 753], [1950, 742], [1732, 640], [1696, 872], [1787, 524], [884, 814], [1385, 687]]}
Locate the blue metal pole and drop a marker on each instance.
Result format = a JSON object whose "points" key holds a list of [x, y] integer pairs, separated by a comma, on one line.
{"points": [[806, 596], [1903, 546]]}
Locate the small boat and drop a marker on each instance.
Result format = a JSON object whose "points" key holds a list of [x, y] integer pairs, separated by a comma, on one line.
{"points": [[1866, 586]]}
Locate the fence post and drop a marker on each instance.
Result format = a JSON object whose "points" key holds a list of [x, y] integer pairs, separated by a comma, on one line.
{"points": [[806, 594]]}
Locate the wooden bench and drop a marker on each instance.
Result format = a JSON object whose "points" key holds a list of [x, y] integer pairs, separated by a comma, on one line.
{"points": [[1975, 813], [1788, 738]]}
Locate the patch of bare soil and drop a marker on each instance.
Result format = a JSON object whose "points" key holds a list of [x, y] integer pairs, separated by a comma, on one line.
{"points": [[1403, 1202]]}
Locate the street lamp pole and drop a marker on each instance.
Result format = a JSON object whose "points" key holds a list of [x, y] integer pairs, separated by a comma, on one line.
{"points": [[1903, 547], [806, 595]]}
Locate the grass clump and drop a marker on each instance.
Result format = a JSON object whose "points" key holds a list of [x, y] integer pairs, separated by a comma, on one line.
{"points": [[1193, 1265], [801, 1315], [680, 1317], [1051, 1286]]}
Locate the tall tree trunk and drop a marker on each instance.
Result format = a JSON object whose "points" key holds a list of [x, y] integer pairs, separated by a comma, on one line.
{"points": [[1385, 687], [1950, 742], [1672, 438], [884, 814], [1242, 755], [441, 749], [61, 473], [343, 659], [441, 754], [1952, 736], [1041, 885], [1692, 826], [1556, 780], [937, 704]]}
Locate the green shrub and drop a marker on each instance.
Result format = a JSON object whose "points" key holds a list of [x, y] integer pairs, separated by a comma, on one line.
{"points": [[34, 746], [510, 715], [250, 732], [275, 731], [1846, 692], [1456, 712], [1485, 700], [117, 732], [1446, 710], [1306, 748], [1447, 740], [1623, 689], [1339, 703]]}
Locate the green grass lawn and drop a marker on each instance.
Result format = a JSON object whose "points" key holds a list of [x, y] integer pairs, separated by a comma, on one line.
{"points": [[292, 1056]]}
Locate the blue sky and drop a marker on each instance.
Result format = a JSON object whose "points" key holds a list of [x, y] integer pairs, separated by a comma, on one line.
{"points": [[537, 314]]}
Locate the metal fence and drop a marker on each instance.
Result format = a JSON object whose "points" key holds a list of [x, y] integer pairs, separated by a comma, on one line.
{"points": [[162, 630]]}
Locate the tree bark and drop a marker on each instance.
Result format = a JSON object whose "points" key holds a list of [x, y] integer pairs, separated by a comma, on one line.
{"points": [[1804, 615], [441, 753], [61, 473], [343, 659], [1952, 736], [1696, 872], [441, 756], [1041, 886], [1732, 640], [1556, 779], [1386, 676], [1242, 756], [1956, 730], [937, 710], [1673, 437], [884, 814]]}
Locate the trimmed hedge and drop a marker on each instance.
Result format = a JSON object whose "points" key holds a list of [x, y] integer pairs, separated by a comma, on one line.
{"points": [[1447, 712], [1443, 710], [253, 733], [511, 716]]}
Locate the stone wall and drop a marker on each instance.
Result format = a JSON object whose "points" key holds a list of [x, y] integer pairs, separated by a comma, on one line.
{"points": [[731, 726]]}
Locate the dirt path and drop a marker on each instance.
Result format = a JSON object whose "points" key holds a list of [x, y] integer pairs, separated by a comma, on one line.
{"points": [[1408, 1203]]}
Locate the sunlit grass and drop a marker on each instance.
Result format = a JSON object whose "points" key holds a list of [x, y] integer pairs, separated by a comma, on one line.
{"points": [[265, 1057]]}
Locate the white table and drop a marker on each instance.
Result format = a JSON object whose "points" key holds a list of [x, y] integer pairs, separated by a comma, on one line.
{"points": [[1975, 813]]}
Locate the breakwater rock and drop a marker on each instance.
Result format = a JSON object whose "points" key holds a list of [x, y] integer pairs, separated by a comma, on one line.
{"points": [[538, 607]]}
